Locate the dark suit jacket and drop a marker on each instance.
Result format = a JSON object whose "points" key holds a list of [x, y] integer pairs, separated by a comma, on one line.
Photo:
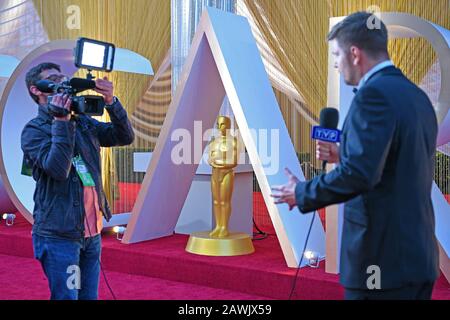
{"points": [[385, 177]]}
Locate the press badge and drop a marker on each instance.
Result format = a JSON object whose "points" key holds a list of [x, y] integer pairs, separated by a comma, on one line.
{"points": [[83, 172]]}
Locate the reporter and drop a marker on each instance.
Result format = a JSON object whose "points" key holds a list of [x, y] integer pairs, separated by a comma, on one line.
{"points": [[384, 175], [64, 153]]}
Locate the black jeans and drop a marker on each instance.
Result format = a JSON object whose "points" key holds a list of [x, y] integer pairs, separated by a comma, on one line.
{"points": [[421, 291]]}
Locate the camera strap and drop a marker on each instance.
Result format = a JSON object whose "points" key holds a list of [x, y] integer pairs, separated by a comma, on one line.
{"points": [[83, 172]]}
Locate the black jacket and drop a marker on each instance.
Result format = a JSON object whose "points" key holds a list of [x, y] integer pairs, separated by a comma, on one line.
{"points": [[385, 177], [49, 147]]}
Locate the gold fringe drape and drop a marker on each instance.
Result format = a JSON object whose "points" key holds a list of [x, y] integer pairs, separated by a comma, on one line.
{"points": [[148, 118], [139, 25], [142, 26], [296, 30]]}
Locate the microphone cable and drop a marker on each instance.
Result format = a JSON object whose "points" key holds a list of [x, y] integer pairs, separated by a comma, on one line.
{"points": [[261, 234], [301, 258]]}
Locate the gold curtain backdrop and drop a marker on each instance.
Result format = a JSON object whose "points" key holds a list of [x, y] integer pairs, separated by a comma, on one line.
{"points": [[296, 30], [142, 26], [148, 118]]}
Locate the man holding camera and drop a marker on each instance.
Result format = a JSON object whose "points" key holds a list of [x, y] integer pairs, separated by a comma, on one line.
{"points": [[64, 153]]}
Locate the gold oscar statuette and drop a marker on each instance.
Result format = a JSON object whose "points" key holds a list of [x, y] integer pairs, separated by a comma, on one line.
{"points": [[223, 155]]}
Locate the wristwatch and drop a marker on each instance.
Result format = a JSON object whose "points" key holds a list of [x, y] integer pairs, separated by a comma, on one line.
{"points": [[115, 99]]}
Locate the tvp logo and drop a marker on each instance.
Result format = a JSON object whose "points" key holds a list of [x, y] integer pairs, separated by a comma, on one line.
{"points": [[324, 134]]}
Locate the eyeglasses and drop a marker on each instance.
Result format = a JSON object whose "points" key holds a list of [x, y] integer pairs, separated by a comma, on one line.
{"points": [[58, 78]]}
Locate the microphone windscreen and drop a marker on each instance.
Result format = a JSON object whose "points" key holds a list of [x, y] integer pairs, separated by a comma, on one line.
{"points": [[82, 84], [329, 118], [45, 86]]}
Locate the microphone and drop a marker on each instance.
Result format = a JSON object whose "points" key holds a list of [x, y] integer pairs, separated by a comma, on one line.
{"points": [[327, 131], [46, 86], [80, 84], [76, 84]]}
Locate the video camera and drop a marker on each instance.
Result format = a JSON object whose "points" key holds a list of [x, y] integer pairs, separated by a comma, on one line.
{"points": [[91, 55]]}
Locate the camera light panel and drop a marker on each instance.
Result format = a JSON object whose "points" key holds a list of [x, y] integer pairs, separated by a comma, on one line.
{"points": [[93, 54]]}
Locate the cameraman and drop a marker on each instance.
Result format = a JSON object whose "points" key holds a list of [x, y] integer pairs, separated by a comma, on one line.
{"points": [[64, 153]]}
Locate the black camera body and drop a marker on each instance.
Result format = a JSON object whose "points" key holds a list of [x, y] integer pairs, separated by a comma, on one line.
{"points": [[87, 104], [89, 54]]}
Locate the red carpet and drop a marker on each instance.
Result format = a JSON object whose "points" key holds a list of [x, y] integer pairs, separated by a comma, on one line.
{"points": [[161, 269], [23, 279]]}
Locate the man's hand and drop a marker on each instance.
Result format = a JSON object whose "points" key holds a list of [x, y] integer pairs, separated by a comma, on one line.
{"points": [[286, 193], [105, 88], [327, 151], [62, 101]]}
